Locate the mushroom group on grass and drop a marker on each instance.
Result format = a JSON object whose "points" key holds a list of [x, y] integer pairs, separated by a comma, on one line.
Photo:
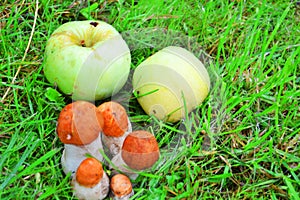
{"points": [[93, 69], [87, 131]]}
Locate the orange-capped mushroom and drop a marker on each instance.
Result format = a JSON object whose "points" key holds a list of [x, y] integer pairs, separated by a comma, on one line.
{"points": [[121, 187], [140, 150], [89, 172], [79, 123], [115, 118], [90, 181], [79, 126], [116, 127]]}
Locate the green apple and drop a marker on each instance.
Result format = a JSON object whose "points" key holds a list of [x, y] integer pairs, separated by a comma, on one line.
{"points": [[88, 60], [171, 83]]}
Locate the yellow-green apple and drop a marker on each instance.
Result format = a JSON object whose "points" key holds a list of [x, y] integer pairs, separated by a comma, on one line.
{"points": [[171, 83], [88, 60]]}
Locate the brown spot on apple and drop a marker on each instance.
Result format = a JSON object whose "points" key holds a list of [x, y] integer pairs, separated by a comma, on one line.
{"points": [[94, 24], [82, 43]]}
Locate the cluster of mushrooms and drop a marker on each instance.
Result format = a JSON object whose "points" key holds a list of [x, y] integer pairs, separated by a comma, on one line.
{"points": [[88, 132]]}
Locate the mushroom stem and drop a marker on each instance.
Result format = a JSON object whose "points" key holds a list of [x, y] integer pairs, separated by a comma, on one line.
{"points": [[126, 197], [119, 164], [73, 155], [113, 145]]}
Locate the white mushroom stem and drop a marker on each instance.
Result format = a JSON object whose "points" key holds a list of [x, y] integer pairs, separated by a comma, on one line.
{"points": [[96, 192], [125, 197], [119, 164], [73, 155], [113, 145]]}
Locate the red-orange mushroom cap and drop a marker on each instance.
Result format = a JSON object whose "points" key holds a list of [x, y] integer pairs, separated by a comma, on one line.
{"points": [[79, 123], [120, 185], [140, 150], [115, 118], [89, 172]]}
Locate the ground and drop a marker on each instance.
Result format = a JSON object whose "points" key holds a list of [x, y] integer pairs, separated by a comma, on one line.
{"points": [[242, 142]]}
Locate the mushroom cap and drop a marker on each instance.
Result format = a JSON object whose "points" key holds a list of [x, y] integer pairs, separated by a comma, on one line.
{"points": [[115, 118], [89, 172], [140, 150], [79, 123], [120, 185]]}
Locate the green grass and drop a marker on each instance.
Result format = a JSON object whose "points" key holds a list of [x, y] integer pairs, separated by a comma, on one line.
{"points": [[241, 143]]}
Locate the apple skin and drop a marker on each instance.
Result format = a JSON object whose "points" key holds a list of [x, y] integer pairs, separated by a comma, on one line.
{"points": [[88, 60], [171, 83]]}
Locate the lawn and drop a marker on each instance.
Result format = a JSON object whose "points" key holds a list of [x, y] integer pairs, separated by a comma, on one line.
{"points": [[242, 142]]}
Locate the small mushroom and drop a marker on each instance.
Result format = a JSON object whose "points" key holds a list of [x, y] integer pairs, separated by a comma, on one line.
{"points": [[90, 181], [121, 188], [116, 126], [140, 151], [79, 126]]}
